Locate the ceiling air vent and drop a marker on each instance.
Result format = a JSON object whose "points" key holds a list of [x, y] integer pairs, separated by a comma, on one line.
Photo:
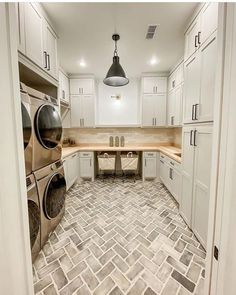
{"points": [[151, 31]]}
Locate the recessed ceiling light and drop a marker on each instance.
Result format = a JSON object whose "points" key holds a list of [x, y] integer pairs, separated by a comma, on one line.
{"points": [[82, 63], [153, 61]]}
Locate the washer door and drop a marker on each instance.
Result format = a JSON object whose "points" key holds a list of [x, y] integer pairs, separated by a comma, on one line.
{"points": [[34, 221], [54, 196], [27, 127], [48, 126]]}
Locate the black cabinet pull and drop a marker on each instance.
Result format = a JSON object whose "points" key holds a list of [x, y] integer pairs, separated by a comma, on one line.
{"points": [[45, 59], [195, 41], [194, 138], [198, 38], [191, 137], [48, 57], [193, 112]]}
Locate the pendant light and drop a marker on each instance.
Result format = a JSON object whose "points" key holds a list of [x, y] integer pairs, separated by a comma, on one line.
{"points": [[116, 76]]}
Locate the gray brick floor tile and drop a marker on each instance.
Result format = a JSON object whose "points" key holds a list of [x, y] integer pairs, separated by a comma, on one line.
{"points": [[120, 238]]}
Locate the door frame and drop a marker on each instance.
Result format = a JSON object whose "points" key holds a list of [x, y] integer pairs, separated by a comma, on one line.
{"points": [[15, 253], [219, 146]]}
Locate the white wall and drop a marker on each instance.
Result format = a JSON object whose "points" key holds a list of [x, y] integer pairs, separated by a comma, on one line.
{"points": [[125, 111], [15, 258]]}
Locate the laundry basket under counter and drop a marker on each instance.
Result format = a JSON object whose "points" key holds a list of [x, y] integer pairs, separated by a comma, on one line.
{"points": [[129, 161], [106, 162]]}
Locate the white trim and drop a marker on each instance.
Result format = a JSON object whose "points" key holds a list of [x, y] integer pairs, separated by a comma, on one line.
{"points": [[15, 266]]}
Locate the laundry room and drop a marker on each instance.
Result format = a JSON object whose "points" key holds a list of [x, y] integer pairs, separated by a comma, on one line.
{"points": [[115, 113]]}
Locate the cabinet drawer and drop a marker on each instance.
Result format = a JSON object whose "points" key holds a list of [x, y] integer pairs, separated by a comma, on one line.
{"points": [[173, 163], [86, 154], [150, 154], [162, 157]]}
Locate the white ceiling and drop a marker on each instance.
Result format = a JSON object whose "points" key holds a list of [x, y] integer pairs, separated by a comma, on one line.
{"points": [[85, 31]]}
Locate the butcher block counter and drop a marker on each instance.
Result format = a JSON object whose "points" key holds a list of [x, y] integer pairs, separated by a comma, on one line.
{"points": [[170, 151]]}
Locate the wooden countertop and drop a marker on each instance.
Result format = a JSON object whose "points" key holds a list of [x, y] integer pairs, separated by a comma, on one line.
{"points": [[170, 151]]}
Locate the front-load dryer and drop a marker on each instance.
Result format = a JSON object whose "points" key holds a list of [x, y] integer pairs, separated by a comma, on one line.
{"points": [[27, 125], [34, 216], [51, 186], [47, 134]]}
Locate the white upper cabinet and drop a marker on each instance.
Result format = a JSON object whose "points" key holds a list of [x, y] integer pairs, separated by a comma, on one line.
{"points": [[154, 110], [20, 14], [81, 86], [208, 55], [209, 18], [191, 38], [191, 88], [34, 34], [175, 94], [50, 50], [36, 38], [82, 111], [64, 94], [154, 85], [202, 27], [176, 77], [199, 91]]}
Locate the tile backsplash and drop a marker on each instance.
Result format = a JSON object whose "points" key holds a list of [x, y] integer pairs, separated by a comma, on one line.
{"points": [[131, 135]]}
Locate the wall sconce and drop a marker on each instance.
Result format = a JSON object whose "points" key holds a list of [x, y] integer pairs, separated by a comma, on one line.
{"points": [[116, 96]]}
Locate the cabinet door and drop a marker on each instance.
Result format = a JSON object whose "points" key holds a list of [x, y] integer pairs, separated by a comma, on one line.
{"points": [[172, 81], [66, 173], [85, 167], [177, 121], [148, 111], [171, 108], [191, 88], [76, 111], [160, 109], [150, 167], [34, 34], [187, 175], [88, 110], [179, 75], [153, 85], [50, 41], [191, 42], [63, 87], [209, 19], [20, 14], [81, 86], [162, 170], [201, 185], [176, 184], [208, 56]]}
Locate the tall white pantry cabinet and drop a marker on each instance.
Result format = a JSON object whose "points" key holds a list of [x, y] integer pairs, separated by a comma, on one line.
{"points": [[198, 110]]}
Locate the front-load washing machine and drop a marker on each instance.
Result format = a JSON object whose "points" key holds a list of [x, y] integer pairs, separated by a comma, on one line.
{"points": [[34, 216], [47, 134], [51, 186], [27, 125]]}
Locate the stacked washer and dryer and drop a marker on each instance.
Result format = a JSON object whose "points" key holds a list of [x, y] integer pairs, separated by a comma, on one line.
{"points": [[46, 185]]}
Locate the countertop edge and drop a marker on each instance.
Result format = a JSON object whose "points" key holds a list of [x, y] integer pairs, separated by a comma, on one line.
{"points": [[68, 151]]}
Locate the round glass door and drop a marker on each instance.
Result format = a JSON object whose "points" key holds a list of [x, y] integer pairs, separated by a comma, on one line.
{"points": [[34, 221], [54, 197], [48, 126], [27, 128]]}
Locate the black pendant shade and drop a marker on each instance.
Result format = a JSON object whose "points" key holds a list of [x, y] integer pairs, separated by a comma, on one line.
{"points": [[116, 76]]}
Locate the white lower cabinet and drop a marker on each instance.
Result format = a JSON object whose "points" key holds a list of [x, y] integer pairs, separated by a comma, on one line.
{"points": [[151, 167], [196, 165], [86, 165], [71, 169], [170, 175]]}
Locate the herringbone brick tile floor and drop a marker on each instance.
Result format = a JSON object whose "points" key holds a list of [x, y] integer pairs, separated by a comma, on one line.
{"points": [[120, 238]]}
